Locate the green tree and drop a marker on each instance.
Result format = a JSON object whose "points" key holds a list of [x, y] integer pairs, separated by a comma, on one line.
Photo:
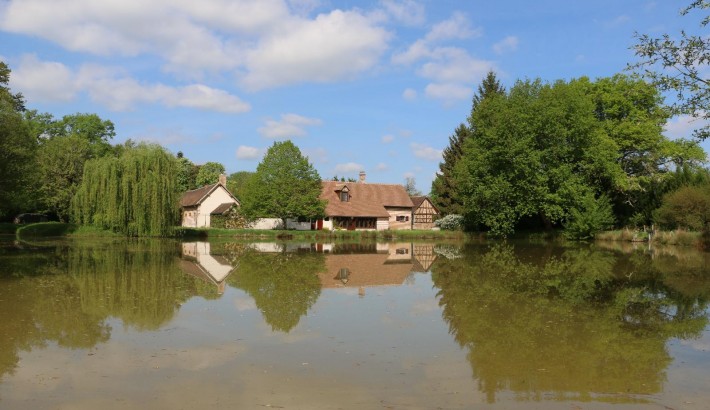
{"points": [[17, 151], [410, 185], [64, 146], [236, 182], [444, 190], [285, 185], [679, 65], [209, 173], [61, 164], [687, 208], [136, 194], [538, 151], [186, 174], [533, 153]]}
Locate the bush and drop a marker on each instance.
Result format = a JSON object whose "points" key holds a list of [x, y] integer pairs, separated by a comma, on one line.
{"points": [[592, 216], [451, 222], [687, 208]]}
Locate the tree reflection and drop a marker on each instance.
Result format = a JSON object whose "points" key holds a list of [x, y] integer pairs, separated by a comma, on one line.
{"points": [[575, 323], [64, 292], [284, 285]]}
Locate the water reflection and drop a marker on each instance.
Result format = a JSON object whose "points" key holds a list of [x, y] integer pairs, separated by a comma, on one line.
{"points": [[574, 324], [198, 261], [537, 323]]}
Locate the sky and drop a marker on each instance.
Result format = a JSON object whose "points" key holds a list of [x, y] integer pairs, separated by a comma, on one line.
{"points": [[375, 86]]}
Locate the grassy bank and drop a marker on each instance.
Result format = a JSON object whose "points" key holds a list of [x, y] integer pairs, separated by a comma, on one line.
{"points": [[8, 228], [676, 238], [56, 229]]}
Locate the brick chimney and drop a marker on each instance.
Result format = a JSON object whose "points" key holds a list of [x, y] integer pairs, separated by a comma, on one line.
{"points": [[362, 177], [223, 180]]}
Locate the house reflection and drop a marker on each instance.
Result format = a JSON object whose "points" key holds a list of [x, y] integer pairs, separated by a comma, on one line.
{"points": [[382, 264], [198, 261]]}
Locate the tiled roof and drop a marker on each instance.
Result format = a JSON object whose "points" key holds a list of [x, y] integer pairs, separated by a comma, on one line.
{"points": [[418, 200], [366, 199], [222, 208], [194, 197]]}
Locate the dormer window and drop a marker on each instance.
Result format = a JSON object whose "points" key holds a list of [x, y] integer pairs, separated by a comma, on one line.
{"points": [[343, 193]]}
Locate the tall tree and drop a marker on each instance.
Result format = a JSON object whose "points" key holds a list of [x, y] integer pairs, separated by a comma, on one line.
{"points": [[537, 151], [17, 151], [186, 174], [410, 185], [136, 194], [444, 188], [64, 146], [680, 65], [209, 173], [285, 185]]}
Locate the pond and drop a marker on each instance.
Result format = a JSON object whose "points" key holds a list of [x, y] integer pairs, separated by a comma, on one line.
{"points": [[116, 324]]}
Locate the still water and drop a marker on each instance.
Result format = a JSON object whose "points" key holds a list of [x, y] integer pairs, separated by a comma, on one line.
{"points": [[166, 325]]}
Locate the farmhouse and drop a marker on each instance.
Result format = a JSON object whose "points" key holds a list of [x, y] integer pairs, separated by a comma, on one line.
{"points": [[365, 206], [200, 204]]}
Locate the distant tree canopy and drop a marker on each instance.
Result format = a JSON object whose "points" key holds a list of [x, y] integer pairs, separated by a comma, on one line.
{"points": [[285, 185], [209, 173], [236, 182], [533, 153], [135, 194]]}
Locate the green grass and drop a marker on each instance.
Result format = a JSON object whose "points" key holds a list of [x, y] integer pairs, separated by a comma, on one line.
{"points": [[45, 229], [55, 229]]}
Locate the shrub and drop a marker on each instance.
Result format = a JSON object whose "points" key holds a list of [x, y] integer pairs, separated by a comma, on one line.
{"points": [[688, 208], [451, 222], [591, 216]]}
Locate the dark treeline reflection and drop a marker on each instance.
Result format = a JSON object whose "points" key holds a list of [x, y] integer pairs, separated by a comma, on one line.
{"points": [[545, 322], [64, 293]]}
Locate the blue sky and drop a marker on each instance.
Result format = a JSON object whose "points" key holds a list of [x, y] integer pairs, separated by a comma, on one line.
{"points": [[373, 85]]}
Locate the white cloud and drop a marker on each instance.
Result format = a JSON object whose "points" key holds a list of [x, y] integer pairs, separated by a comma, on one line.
{"points": [[508, 44], [408, 12], [53, 81], [454, 64], [381, 167], [409, 94], [449, 93], [43, 80], [332, 47], [291, 125], [349, 167], [248, 153], [118, 92], [265, 43], [448, 68], [317, 155], [682, 126], [456, 27], [425, 152], [386, 139]]}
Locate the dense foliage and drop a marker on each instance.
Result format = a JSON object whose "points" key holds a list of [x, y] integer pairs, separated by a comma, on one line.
{"points": [[134, 194], [285, 185], [544, 155], [209, 173]]}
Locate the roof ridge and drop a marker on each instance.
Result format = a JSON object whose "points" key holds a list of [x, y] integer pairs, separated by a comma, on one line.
{"points": [[202, 187]]}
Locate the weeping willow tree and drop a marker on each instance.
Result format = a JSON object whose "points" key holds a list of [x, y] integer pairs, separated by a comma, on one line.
{"points": [[135, 194]]}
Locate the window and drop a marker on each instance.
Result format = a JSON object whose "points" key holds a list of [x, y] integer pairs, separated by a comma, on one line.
{"points": [[402, 218], [344, 197]]}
